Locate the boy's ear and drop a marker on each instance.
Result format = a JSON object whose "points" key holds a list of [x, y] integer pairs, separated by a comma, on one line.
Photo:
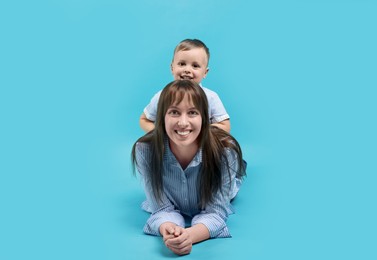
{"points": [[205, 75]]}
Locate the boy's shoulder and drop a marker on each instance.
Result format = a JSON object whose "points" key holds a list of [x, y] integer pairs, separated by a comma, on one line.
{"points": [[209, 92]]}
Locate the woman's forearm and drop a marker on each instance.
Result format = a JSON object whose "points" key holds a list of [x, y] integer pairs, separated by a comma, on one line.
{"points": [[198, 233]]}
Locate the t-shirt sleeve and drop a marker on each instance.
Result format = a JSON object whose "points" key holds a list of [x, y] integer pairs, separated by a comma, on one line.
{"points": [[150, 110], [217, 111]]}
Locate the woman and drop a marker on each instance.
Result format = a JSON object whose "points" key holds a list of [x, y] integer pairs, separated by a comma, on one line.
{"points": [[190, 170]]}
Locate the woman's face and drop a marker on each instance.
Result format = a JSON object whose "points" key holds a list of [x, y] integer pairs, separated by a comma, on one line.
{"points": [[183, 123]]}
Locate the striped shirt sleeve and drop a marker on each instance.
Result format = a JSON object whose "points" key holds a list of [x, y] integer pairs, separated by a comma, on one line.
{"points": [[216, 213], [161, 211]]}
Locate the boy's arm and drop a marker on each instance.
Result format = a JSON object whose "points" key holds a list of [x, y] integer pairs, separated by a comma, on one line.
{"points": [[225, 125], [146, 124]]}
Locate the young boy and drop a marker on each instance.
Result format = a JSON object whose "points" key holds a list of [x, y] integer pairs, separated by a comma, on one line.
{"points": [[190, 61]]}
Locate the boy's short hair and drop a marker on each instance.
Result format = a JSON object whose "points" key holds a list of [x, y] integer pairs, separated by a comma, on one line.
{"points": [[189, 44]]}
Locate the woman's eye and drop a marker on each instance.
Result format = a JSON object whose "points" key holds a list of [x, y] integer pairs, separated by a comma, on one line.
{"points": [[193, 113], [173, 112]]}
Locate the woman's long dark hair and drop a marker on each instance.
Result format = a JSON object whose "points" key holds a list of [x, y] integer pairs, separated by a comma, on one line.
{"points": [[212, 140]]}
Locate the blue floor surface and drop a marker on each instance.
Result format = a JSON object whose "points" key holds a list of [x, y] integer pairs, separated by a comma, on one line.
{"points": [[298, 79]]}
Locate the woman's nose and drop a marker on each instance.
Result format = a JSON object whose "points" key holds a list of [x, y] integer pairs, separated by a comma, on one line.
{"points": [[182, 122]]}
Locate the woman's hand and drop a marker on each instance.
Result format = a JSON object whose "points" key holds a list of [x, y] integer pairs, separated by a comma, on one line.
{"points": [[167, 230], [176, 238], [181, 243]]}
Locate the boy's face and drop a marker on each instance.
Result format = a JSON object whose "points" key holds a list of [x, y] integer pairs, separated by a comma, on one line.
{"points": [[190, 64]]}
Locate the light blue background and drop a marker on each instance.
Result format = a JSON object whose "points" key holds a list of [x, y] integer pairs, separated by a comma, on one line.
{"points": [[297, 77]]}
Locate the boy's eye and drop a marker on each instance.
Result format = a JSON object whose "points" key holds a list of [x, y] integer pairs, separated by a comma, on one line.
{"points": [[181, 64], [196, 66]]}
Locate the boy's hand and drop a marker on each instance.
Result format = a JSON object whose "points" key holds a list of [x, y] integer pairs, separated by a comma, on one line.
{"points": [[145, 123], [224, 125]]}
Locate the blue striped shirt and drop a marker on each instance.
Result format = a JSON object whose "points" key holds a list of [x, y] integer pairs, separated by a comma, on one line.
{"points": [[181, 193]]}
